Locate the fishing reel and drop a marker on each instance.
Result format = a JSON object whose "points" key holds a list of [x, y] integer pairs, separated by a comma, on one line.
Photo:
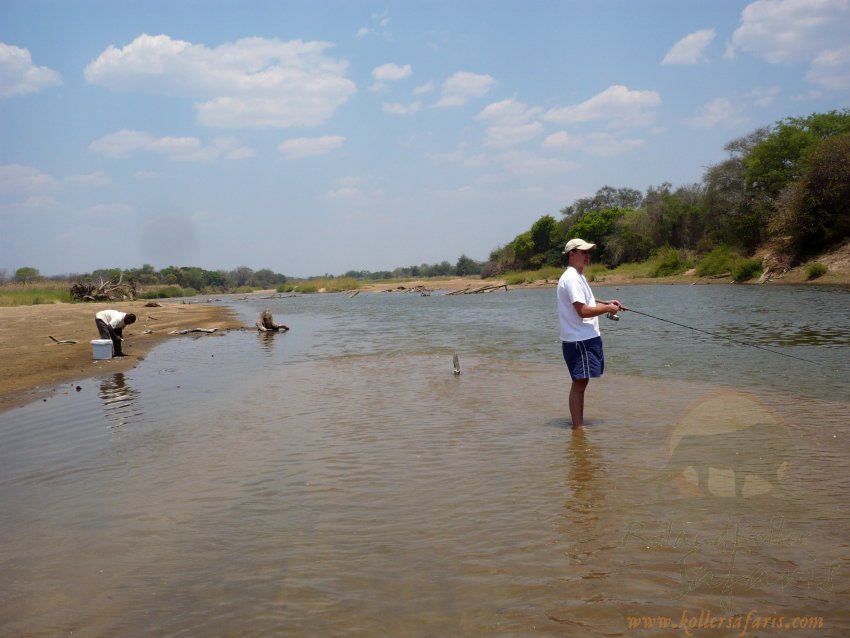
{"points": [[613, 316]]}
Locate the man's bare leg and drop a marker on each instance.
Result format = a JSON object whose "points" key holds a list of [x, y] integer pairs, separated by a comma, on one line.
{"points": [[577, 402]]}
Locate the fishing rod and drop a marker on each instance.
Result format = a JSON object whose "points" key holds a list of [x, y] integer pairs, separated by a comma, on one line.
{"points": [[714, 334]]}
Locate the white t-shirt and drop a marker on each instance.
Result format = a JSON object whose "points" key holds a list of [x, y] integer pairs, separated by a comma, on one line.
{"points": [[114, 318], [572, 287]]}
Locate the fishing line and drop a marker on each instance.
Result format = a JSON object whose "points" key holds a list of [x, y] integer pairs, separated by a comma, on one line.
{"points": [[720, 336]]}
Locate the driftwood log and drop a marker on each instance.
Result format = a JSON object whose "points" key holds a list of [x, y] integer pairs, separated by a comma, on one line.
{"points": [[188, 330], [479, 290], [266, 323], [104, 290]]}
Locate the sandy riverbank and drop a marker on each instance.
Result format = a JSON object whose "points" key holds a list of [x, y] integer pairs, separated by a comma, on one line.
{"points": [[33, 366]]}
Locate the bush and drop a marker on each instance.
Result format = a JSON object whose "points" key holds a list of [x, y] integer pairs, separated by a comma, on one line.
{"points": [[745, 269], [168, 291], [815, 270], [668, 261], [719, 261]]}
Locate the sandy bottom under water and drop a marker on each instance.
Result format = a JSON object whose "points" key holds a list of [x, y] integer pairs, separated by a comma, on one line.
{"points": [[383, 496]]}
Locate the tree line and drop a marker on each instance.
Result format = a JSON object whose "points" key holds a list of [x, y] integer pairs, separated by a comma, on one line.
{"points": [[787, 184], [186, 277]]}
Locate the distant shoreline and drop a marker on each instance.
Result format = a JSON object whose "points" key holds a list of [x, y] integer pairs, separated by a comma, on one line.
{"points": [[32, 366]]}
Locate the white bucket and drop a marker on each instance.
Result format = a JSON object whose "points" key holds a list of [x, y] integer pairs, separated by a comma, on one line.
{"points": [[101, 348]]}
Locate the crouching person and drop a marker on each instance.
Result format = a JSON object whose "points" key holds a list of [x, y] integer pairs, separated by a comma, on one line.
{"points": [[110, 324]]}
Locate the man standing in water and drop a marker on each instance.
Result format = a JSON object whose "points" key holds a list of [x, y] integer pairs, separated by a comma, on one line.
{"points": [[579, 313]]}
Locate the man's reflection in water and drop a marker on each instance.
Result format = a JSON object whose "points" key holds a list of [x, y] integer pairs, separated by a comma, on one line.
{"points": [[118, 400], [267, 341], [585, 504]]}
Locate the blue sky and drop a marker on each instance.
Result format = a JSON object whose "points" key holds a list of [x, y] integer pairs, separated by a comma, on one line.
{"points": [[326, 136]]}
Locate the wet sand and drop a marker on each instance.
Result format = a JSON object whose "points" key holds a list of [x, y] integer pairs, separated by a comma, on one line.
{"points": [[32, 364]]}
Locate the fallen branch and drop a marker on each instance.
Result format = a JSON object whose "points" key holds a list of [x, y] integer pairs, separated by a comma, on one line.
{"points": [[69, 341], [479, 290], [187, 331]]}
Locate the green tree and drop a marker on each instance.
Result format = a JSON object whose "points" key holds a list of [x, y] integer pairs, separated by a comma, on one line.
{"points": [[774, 162], [216, 279], [544, 234], [466, 266], [732, 212], [597, 226], [27, 275], [815, 211], [523, 249], [605, 197], [191, 277], [241, 276], [631, 241]]}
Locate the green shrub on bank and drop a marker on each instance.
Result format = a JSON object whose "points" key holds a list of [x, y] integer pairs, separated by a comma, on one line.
{"points": [[518, 277], [746, 269], [320, 284], [815, 270], [718, 262], [168, 291], [668, 261]]}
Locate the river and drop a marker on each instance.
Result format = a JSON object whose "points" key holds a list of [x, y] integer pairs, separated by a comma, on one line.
{"points": [[341, 480]]}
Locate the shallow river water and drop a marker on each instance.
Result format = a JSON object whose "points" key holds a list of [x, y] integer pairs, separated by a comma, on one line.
{"points": [[340, 480]]}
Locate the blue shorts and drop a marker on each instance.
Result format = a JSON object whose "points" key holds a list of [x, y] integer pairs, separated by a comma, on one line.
{"points": [[585, 359]]}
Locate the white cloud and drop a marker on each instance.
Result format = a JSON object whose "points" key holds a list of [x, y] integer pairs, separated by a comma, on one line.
{"points": [[109, 210], [511, 135], [598, 144], [784, 30], [391, 72], [463, 86], [15, 178], [253, 82], [19, 76], [422, 89], [690, 49], [831, 69], [512, 161], [561, 141], [98, 179], [617, 104], [509, 111], [512, 123], [719, 111], [396, 108], [40, 202], [380, 23], [125, 143], [764, 97], [232, 149], [520, 163], [297, 148], [345, 193]]}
